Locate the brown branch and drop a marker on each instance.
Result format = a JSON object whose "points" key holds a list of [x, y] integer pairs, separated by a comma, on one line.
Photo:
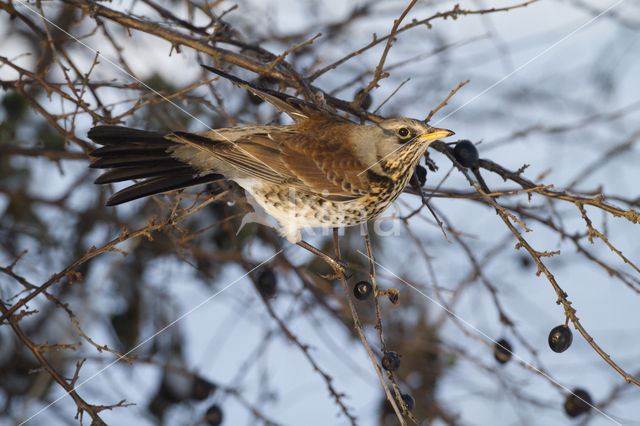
{"points": [[93, 252], [358, 327], [219, 55], [444, 102], [570, 312], [453, 14], [69, 388], [378, 73], [388, 97], [284, 54], [597, 201], [378, 326], [593, 232]]}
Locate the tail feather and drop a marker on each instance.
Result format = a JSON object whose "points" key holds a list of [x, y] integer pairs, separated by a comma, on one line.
{"points": [[157, 186], [128, 173], [117, 135], [133, 160], [138, 154], [117, 150]]}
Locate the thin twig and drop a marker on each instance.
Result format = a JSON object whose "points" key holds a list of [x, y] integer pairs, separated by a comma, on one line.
{"points": [[280, 58], [444, 102]]}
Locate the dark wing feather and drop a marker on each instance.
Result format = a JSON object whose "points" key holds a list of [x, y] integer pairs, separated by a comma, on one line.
{"points": [[295, 108]]}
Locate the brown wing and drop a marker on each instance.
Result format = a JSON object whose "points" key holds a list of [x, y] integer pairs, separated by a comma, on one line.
{"points": [[321, 162], [324, 160]]}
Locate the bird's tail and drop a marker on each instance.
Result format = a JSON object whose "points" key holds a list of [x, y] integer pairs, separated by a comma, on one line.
{"points": [[138, 154]]}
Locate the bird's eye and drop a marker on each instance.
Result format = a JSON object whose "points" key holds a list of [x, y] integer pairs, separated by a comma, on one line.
{"points": [[403, 132]]}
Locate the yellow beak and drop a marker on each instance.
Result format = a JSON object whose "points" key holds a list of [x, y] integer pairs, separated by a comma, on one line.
{"points": [[436, 134]]}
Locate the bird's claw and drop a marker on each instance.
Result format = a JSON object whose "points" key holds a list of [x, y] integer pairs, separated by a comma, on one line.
{"points": [[339, 267]]}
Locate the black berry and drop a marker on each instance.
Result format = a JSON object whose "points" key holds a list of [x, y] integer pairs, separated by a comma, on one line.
{"points": [[466, 153], [201, 389], [577, 402], [391, 361], [408, 401], [525, 262], [366, 101], [267, 282], [362, 290], [419, 177], [213, 416], [502, 351], [560, 338]]}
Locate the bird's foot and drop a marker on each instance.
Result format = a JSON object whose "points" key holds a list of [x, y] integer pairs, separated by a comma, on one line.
{"points": [[339, 266]]}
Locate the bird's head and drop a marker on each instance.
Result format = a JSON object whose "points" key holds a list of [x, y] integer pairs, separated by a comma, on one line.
{"points": [[396, 143]]}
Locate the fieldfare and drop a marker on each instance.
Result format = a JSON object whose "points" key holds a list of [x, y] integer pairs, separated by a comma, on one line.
{"points": [[322, 171]]}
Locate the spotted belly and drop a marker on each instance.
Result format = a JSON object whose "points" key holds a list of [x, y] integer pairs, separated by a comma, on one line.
{"points": [[296, 210]]}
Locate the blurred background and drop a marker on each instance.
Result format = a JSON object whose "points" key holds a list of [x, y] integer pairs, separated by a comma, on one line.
{"points": [[227, 327]]}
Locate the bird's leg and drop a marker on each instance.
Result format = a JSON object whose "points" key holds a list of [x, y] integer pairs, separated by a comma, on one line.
{"points": [[339, 266]]}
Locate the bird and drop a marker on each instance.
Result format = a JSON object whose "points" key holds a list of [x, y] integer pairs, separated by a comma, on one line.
{"points": [[323, 170]]}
